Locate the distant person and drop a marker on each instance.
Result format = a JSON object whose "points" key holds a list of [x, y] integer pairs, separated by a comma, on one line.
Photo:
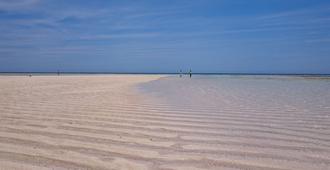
{"points": [[180, 73], [190, 74]]}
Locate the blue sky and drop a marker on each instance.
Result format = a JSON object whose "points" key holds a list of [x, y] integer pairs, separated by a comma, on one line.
{"points": [[246, 36]]}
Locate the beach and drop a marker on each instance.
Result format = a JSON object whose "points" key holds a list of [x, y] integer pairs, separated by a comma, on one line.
{"points": [[164, 122]]}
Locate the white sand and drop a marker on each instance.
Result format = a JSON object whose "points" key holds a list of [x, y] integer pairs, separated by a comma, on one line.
{"points": [[143, 122]]}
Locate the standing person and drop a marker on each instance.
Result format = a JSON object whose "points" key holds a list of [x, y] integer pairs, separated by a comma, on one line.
{"points": [[180, 73], [190, 74]]}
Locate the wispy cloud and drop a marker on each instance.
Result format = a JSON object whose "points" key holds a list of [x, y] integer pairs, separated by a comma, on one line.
{"points": [[9, 5], [119, 36], [318, 40], [311, 11]]}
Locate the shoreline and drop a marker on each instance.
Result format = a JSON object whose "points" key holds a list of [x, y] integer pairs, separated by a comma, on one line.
{"points": [[198, 75], [164, 73]]}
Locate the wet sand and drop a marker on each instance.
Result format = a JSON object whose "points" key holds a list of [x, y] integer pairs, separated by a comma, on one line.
{"points": [[157, 122]]}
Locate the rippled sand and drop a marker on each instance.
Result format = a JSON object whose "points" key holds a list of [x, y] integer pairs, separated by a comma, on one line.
{"points": [[154, 122]]}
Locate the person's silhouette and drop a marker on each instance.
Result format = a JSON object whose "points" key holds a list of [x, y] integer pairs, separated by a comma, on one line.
{"points": [[190, 74]]}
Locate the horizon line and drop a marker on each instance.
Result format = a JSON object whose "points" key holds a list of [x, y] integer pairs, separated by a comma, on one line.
{"points": [[196, 73]]}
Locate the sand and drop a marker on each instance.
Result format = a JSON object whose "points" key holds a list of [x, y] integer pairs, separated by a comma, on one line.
{"points": [[160, 122]]}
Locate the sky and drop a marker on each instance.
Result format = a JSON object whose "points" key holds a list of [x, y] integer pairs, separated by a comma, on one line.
{"points": [[218, 36]]}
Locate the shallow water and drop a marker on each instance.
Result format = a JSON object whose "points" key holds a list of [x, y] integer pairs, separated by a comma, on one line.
{"points": [[301, 98], [256, 91]]}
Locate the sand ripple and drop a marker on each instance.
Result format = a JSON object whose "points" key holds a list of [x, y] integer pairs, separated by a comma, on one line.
{"points": [[105, 122]]}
